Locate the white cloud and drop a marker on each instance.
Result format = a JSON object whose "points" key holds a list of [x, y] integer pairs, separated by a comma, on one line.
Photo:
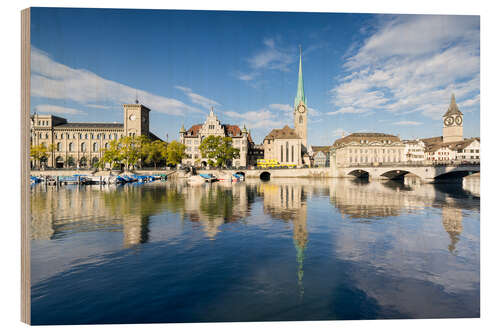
{"points": [[348, 109], [46, 108], [259, 119], [281, 107], [272, 57], [412, 64], [52, 80], [198, 99], [407, 123], [97, 106]]}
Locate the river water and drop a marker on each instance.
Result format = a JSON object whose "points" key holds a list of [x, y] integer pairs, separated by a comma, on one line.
{"points": [[288, 249]]}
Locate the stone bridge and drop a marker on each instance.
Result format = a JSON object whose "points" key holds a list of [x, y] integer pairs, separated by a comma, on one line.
{"points": [[427, 173]]}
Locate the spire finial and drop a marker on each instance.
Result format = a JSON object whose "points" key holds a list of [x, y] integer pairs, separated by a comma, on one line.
{"points": [[136, 99]]}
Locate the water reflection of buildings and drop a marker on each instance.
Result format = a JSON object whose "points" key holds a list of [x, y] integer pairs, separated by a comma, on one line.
{"points": [[364, 201], [215, 205], [285, 201], [86, 209]]}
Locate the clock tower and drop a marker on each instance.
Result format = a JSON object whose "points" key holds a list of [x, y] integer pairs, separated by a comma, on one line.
{"points": [[453, 123], [300, 108], [135, 119]]}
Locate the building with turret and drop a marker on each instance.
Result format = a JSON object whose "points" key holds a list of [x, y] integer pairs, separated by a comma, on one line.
{"points": [[192, 138]]}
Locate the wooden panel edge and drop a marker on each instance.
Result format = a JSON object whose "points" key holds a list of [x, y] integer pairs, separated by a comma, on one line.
{"points": [[25, 148]]}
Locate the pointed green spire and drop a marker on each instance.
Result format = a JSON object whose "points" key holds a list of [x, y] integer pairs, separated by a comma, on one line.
{"points": [[301, 96]]}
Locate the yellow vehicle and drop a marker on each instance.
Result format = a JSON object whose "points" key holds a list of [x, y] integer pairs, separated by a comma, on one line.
{"points": [[263, 163]]}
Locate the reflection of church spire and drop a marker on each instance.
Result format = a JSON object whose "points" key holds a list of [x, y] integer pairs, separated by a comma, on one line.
{"points": [[452, 223], [300, 270], [300, 242]]}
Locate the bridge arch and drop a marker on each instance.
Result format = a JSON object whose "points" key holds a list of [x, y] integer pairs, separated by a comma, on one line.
{"points": [[454, 174], [396, 174], [359, 173], [266, 175]]}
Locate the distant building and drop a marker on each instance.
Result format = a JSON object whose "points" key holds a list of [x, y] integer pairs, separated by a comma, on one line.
{"points": [[321, 156], [80, 144], [192, 138], [289, 145], [367, 148], [414, 151], [452, 147]]}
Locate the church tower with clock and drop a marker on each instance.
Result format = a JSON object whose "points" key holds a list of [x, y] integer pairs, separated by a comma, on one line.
{"points": [[453, 123], [300, 108], [136, 119]]}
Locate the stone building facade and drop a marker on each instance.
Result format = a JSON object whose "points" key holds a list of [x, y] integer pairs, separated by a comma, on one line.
{"points": [[81, 144], [192, 138], [367, 149]]}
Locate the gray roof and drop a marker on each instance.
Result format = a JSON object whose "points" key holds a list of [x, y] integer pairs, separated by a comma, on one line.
{"points": [[89, 125]]}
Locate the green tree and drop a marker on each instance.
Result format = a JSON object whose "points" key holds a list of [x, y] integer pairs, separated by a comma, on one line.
{"points": [[174, 153], [154, 152], [111, 155], [70, 161], [144, 145], [218, 150], [39, 153], [129, 151]]}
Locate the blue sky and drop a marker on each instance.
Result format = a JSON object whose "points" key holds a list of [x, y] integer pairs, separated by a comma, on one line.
{"points": [[384, 73]]}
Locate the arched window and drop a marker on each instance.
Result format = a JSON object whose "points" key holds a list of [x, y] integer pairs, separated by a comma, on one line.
{"points": [[70, 148], [106, 146], [287, 151], [95, 147], [59, 146], [84, 146], [300, 120], [80, 136], [86, 136]]}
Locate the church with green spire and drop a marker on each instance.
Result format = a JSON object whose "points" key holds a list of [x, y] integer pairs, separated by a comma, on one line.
{"points": [[288, 145], [300, 108]]}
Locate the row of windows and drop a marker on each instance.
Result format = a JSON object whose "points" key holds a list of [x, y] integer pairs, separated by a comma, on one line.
{"points": [[81, 136], [287, 152], [366, 159], [43, 123], [366, 151], [469, 151], [83, 147]]}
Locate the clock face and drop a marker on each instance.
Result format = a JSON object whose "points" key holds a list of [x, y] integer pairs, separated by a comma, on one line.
{"points": [[301, 108], [448, 121], [132, 117], [458, 120]]}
